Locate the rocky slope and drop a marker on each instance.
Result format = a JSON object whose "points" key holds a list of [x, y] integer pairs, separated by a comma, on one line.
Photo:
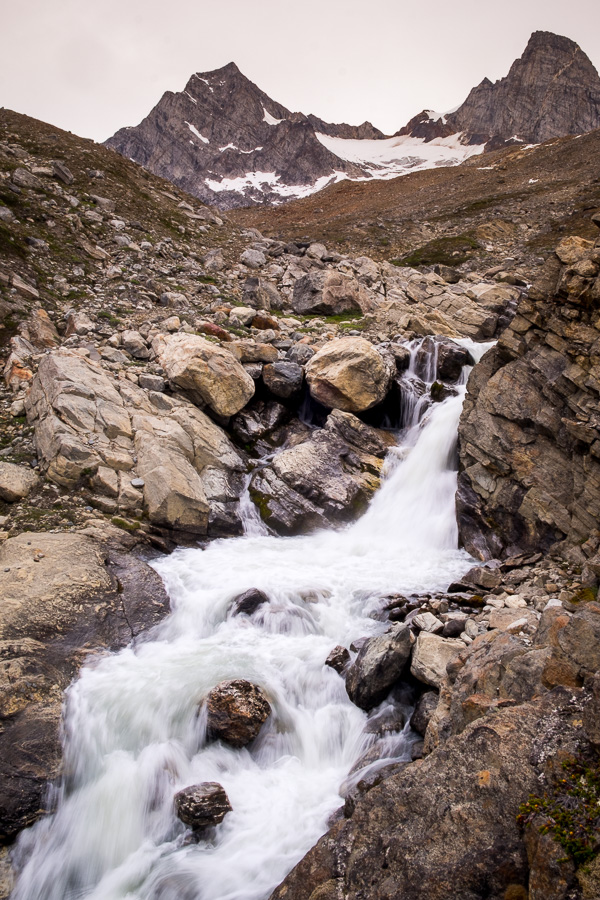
{"points": [[226, 142]]}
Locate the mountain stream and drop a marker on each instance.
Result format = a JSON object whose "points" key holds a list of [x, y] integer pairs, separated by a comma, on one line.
{"points": [[132, 733]]}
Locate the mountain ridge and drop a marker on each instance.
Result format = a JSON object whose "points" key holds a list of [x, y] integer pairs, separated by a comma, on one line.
{"points": [[228, 143]]}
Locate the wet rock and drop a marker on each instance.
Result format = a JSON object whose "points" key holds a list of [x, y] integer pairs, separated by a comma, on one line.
{"points": [[258, 420], [248, 602], [202, 805], [425, 708], [326, 479], [338, 659], [431, 655], [16, 482], [53, 616], [283, 378], [348, 374], [236, 711], [208, 373], [378, 666]]}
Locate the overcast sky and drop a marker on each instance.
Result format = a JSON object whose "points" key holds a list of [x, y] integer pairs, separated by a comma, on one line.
{"points": [[92, 66]]}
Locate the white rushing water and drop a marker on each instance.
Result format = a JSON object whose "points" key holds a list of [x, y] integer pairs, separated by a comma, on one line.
{"points": [[133, 737]]}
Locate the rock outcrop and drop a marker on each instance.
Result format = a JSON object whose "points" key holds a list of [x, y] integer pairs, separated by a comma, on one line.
{"points": [[327, 479], [64, 597], [530, 432]]}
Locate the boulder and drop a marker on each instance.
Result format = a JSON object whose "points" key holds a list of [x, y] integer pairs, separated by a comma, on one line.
{"points": [[135, 345], [202, 805], [258, 420], [338, 659], [283, 378], [236, 711], [431, 655], [327, 293], [261, 294], [378, 666], [16, 482], [248, 602], [40, 331], [327, 479], [254, 259], [64, 596], [211, 375], [348, 374], [252, 351]]}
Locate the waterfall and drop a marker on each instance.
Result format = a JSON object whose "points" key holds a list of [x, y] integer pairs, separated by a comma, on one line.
{"points": [[132, 734]]}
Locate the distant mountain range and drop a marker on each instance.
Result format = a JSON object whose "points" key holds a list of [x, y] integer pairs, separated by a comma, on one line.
{"points": [[225, 141]]}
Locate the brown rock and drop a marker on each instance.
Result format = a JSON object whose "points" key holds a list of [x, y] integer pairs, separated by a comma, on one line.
{"points": [[236, 711], [202, 805]]}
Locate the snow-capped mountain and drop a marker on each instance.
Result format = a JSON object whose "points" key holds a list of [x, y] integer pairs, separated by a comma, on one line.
{"points": [[225, 141]]}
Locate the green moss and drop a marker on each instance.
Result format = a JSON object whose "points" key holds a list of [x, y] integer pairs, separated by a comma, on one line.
{"points": [[447, 251], [570, 811], [125, 524], [261, 501], [584, 595], [206, 279]]}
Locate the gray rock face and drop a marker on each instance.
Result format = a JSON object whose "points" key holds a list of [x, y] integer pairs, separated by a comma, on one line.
{"points": [[324, 480], [529, 433], [202, 805], [222, 127], [552, 90], [379, 664]]}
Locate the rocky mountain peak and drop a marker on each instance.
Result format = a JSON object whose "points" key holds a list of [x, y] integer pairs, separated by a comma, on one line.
{"points": [[553, 89]]}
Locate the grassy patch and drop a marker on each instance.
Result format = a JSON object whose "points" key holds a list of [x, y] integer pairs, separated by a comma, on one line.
{"points": [[125, 524], [446, 251], [571, 812]]}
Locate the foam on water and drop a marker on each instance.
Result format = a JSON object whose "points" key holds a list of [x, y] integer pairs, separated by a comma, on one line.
{"points": [[133, 736]]}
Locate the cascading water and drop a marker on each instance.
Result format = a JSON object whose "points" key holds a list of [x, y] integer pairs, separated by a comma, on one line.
{"points": [[132, 734]]}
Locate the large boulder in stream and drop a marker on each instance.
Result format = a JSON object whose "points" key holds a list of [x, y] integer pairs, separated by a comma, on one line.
{"points": [[64, 597], [202, 805], [349, 374], [327, 479], [236, 711], [378, 666]]}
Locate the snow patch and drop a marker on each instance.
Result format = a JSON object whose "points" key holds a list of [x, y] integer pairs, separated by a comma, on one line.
{"points": [[193, 99], [233, 147], [197, 133], [269, 182], [271, 120], [206, 81], [395, 156]]}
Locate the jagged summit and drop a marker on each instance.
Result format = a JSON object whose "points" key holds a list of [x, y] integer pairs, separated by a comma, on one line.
{"points": [[552, 90]]}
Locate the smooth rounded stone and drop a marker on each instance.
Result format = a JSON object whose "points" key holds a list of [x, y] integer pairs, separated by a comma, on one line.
{"points": [[202, 805], [16, 482], [283, 378], [338, 659], [248, 602], [236, 711], [425, 708], [431, 655], [210, 373], [348, 374], [378, 666]]}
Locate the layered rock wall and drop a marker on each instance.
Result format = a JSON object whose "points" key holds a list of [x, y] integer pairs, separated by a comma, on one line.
{"points": [[530, 428]]}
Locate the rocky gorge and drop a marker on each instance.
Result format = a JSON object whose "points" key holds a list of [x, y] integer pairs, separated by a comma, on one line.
{"points": [[171, 378]]}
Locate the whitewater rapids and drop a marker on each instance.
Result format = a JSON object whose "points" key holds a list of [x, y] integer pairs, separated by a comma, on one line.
{"points": [[132, 735]]}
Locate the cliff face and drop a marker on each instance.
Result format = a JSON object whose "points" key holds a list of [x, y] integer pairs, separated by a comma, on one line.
{"points": [[552, 90], [530, 429]]}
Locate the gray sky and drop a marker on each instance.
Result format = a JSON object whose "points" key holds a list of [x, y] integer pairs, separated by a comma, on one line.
{"points": [[92, 66]]}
